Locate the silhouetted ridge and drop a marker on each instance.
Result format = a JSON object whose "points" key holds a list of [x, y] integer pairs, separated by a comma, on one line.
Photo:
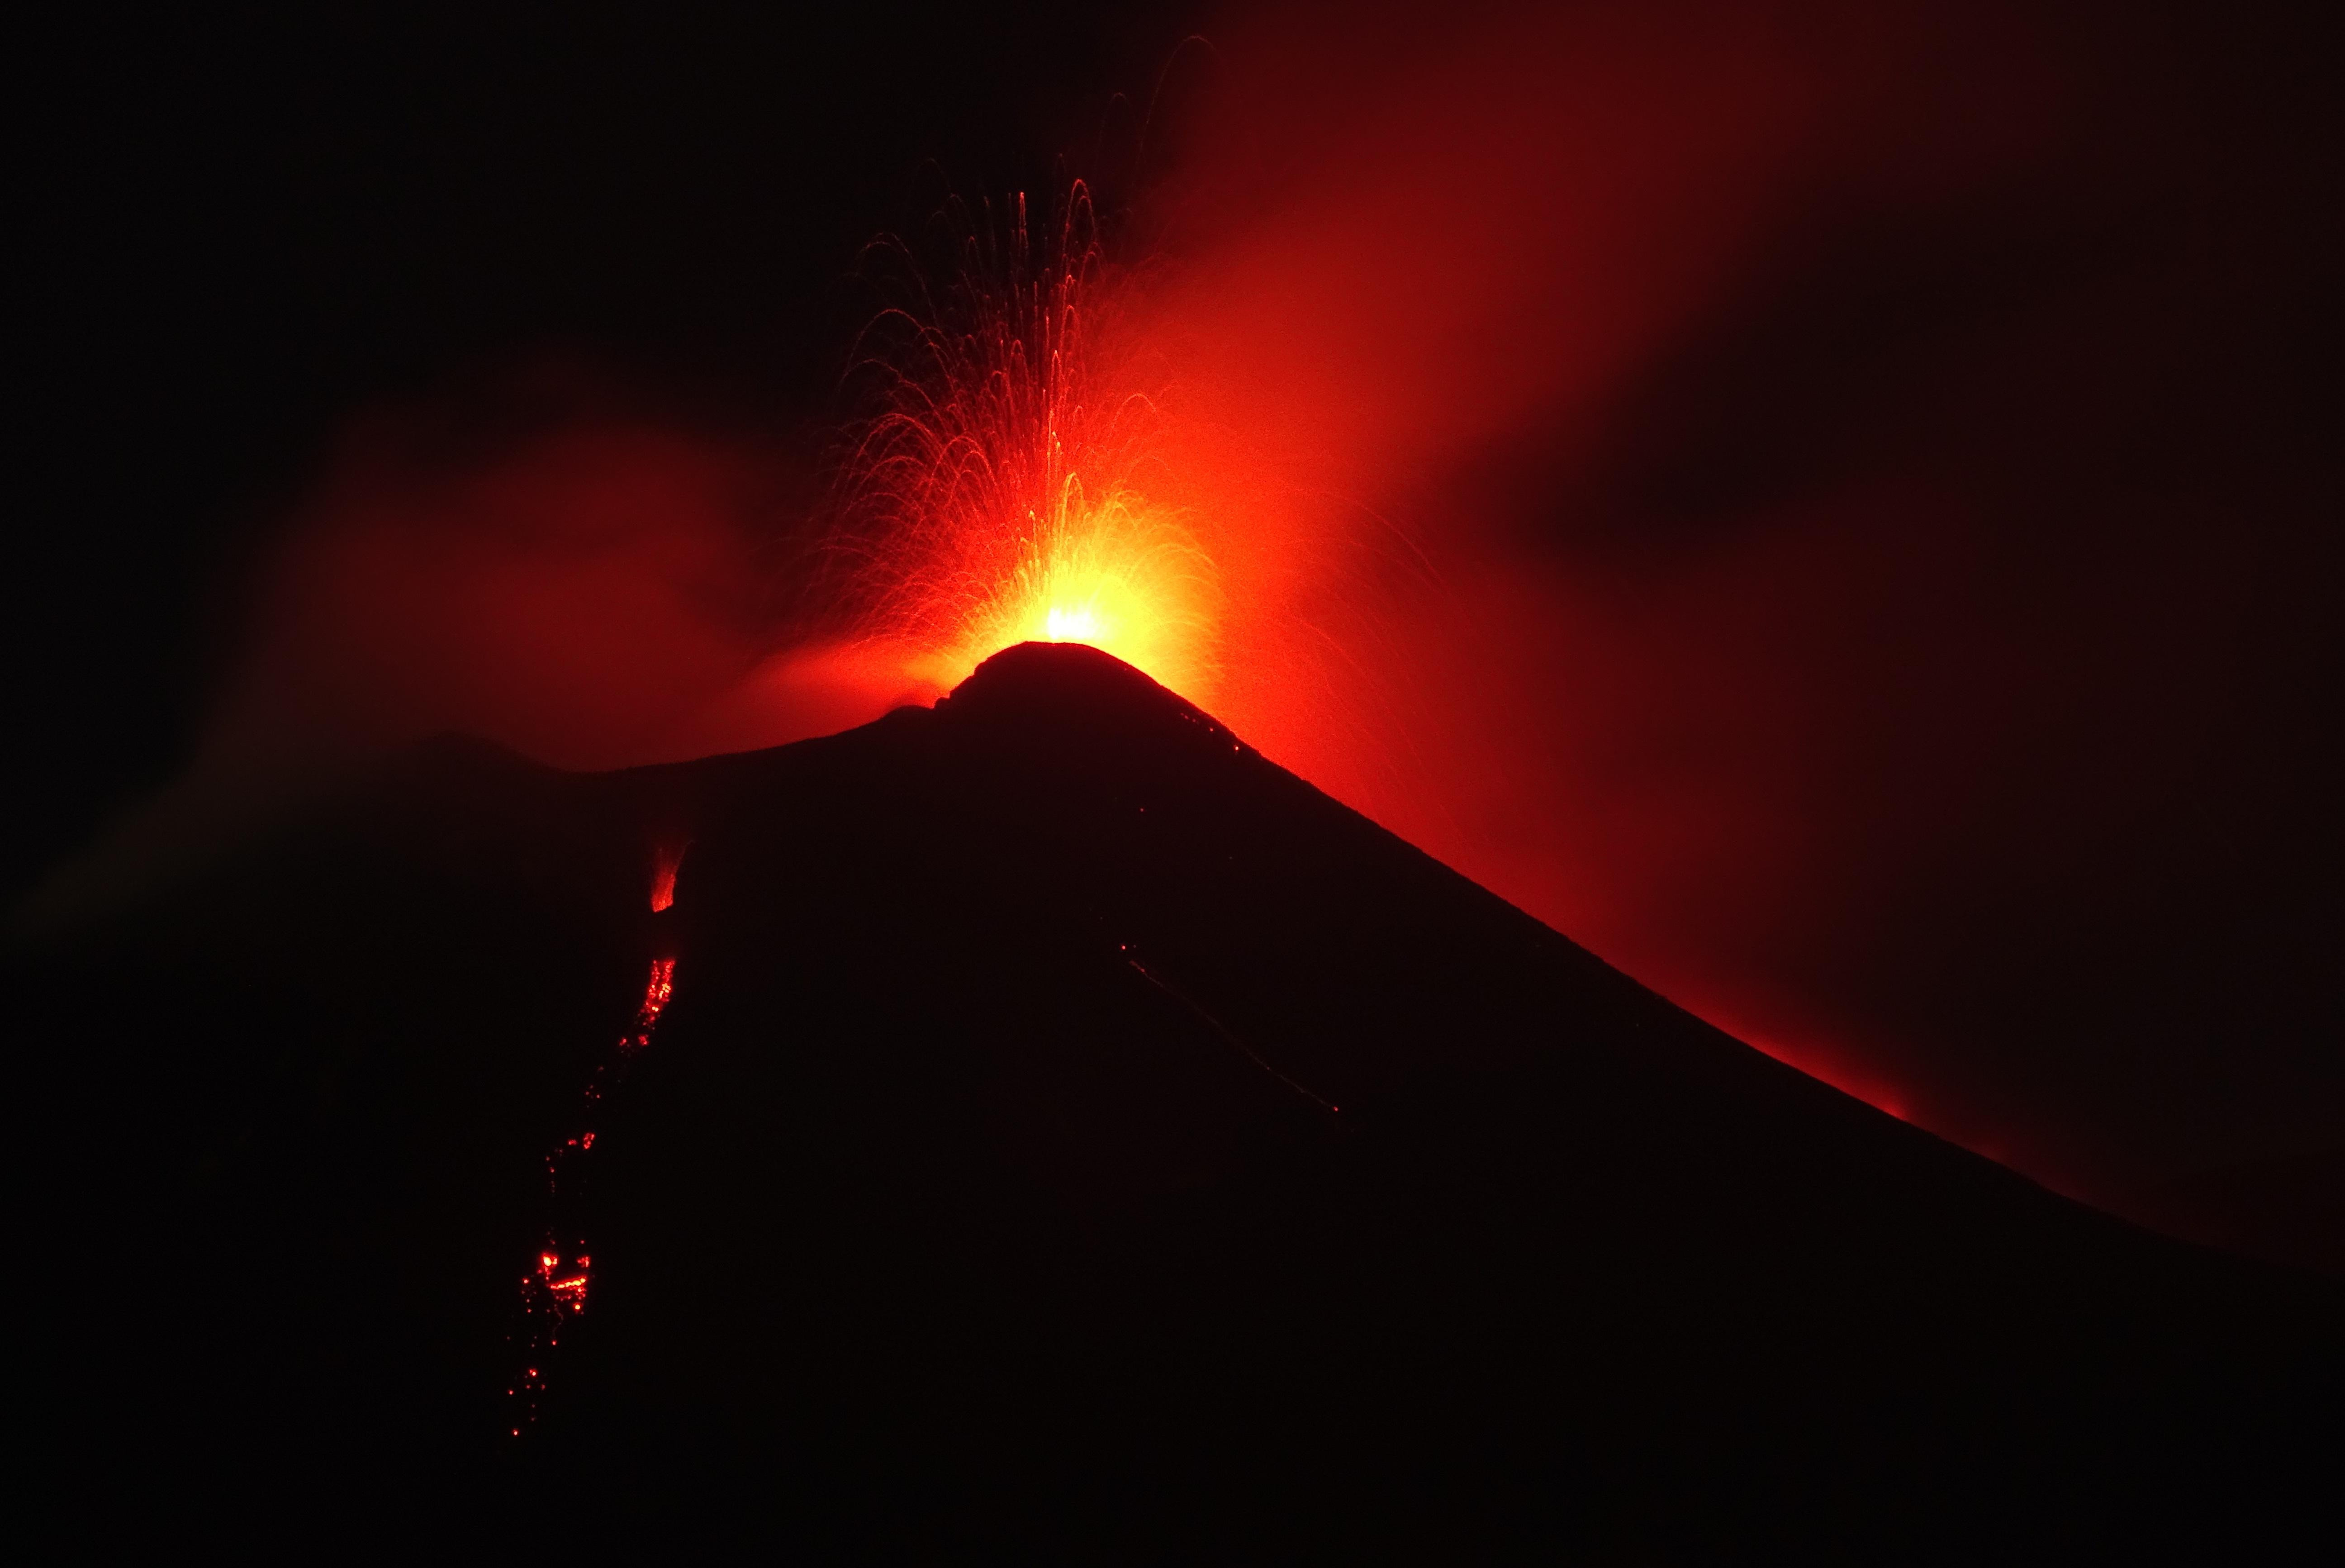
{"points": [[980, 1194], [1074, 686]]}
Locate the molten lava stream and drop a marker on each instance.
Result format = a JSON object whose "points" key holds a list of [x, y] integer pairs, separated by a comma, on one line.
{"points": [[554, 1290]]}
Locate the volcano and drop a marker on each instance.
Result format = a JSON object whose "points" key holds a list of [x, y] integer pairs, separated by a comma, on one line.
{"points": [[1065, 1135]]}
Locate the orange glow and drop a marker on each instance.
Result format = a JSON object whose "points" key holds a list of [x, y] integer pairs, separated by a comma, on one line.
{"points": [[1013, 484], [666, 861], [656, 992], [556, 1289], [1107, 576]]}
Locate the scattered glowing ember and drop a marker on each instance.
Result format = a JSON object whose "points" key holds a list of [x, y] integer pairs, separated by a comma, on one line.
{"points": [[1011, 485], [656, 992], [554, 1289]]}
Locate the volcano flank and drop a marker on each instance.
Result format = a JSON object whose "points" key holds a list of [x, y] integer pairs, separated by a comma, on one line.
{"points": [[1068, 1135]]}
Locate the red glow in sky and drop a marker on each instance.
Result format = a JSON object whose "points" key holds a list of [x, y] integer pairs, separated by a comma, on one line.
{"points": [[1494, 427]]}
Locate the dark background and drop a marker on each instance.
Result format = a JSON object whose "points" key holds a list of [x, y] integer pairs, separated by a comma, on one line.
{"points": [[242, 227], [235, 230]]}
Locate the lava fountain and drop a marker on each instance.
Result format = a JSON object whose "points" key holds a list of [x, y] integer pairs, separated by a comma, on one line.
{"points": [[1007, 479]]}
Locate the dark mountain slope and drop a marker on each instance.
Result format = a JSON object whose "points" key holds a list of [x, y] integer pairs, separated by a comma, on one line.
{"points": [[984, 1189]]}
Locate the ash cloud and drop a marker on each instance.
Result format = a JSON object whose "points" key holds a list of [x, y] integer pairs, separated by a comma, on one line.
{"points": [[1861, 496]]}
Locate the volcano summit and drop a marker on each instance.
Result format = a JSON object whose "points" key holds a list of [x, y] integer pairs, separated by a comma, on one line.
{"points": [[1065, 1134]]}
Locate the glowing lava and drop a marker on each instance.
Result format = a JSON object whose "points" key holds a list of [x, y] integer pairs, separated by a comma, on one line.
{"points": [[554, 1290], [1010, 484], [1109, 577], [666, 859]]}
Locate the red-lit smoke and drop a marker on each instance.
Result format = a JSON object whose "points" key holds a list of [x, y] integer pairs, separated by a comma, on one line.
{"points": [[1695, 468]]}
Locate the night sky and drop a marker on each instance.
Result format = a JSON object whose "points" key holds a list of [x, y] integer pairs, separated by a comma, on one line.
{"points": [[1868, 475]]}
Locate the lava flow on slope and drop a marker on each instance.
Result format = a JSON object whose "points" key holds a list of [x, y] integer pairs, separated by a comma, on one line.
{"points": [[986, 1191]]}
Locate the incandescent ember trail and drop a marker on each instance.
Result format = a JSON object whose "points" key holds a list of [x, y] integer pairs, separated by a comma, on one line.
{"points": [[554, 1289], [1011, 480]]}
